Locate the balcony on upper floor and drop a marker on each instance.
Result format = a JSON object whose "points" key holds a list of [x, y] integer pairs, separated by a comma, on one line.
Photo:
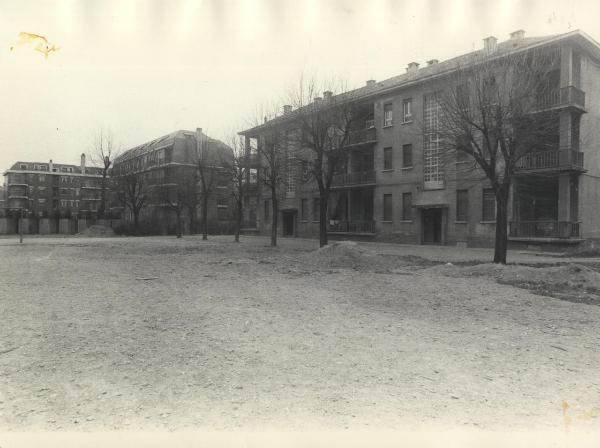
{"points": [[558, 98], [353, 179], [557, 160], [362, 137]]}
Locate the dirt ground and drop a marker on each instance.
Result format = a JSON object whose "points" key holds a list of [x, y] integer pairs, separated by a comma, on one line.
{"points": [[135, 333]]}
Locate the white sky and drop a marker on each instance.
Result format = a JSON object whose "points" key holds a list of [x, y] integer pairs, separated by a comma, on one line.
{"points": [[144, 69]]}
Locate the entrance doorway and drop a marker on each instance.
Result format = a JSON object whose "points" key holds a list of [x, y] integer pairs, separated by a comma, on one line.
{"points": [[432, 225], [289, 222]]}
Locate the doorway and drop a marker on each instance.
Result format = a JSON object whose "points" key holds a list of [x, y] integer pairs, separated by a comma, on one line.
{"points": [[289, 222], [432, 225]]}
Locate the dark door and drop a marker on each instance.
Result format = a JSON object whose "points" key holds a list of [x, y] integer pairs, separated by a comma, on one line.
{"points": [[432, 225], [288, 223]]}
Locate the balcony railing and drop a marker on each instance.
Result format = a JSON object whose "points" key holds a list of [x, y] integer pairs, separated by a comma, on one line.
{"points": [[563, 159], [250, 160], [544, 229], [356, 178], [565, 96], [352, 226], [361, 136]]}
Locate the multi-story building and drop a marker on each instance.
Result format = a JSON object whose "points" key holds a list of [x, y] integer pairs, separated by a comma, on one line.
{"points": [[45, 190], [398, 185], [167, 166]]}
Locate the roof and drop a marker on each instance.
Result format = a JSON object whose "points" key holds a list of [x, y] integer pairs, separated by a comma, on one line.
{"points": [[75, 169], [423, 74], [166, 141], [161, 142]]}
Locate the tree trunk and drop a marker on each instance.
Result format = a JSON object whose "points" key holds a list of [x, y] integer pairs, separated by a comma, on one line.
{"points": [[238, 220], [179, 232], [501, 243], [102, 196], [136, 216], [192, 212], [204, 217], [323, 205], [274, 218]]}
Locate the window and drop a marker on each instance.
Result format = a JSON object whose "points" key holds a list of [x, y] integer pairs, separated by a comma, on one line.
{"points": [[462, 97], [23, 166], [489, 205], [222, 203], [433, 170], [370, 122], [387, 207], [406, 206], [316, 209], [42, 178], [41, 201], [407, 161], [267, 209], [407, 110], [303, 209], [388, 112], [388, 160], [462, 205]]}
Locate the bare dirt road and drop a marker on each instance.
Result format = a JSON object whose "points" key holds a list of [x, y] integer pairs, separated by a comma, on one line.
{"points": [[134, 333]]}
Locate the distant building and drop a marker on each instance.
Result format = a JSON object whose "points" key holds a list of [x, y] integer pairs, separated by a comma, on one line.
{"points": [[42, 189], [165, 164]]}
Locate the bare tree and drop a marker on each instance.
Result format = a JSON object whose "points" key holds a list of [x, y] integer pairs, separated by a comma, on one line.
{"points": [[179, 195], [104, 152], [133, 193], [208, 159], [492, 112], [236, 169], [271, 172], [321, 131]]}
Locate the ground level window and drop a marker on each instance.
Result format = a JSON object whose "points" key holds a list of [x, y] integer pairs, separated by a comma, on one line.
{"points": [[303, 209], [462, 205], [387, 207], [489, 205], [406, 206], [316, 209]]}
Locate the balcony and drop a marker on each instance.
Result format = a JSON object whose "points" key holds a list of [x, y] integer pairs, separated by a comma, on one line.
{"points": [[564, 159], [250, 160], [353, 179], [569, 96], [544, 229], [362, 137], [364, 227]]}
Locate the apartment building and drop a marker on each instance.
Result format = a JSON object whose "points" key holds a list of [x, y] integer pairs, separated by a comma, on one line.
{"points": [[49, 191], [168, 165], [399, 183]]}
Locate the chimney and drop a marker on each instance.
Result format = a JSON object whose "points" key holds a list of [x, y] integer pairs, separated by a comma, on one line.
{"points": [[370, 82], [519, 34], [287, 108], [490, 45], [432, 62], [328, 95], [412, 67], [50, 166], [82, 163]]}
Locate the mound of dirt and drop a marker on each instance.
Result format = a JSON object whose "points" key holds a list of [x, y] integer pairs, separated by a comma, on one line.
{"points": [[97, 231], [548, 280], [348, 254]]}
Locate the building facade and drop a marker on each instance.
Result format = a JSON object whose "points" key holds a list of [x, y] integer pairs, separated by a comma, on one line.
{"points": [[398, 184], [168, 170], [50, 191]]}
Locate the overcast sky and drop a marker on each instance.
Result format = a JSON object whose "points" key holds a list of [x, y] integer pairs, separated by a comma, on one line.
{"points": [[144, 69]]}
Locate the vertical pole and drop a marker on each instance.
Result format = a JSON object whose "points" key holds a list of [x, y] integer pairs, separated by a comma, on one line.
{"points": [[20, 223]]}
